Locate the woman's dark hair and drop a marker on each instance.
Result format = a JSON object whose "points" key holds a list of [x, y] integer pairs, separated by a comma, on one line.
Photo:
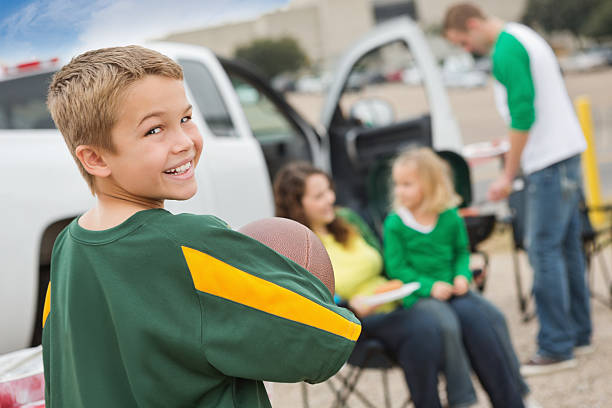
{"points": [[289, 189]]}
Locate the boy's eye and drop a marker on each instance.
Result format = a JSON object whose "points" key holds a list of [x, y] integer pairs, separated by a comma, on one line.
{"points": [[153, 131], [185, 119]]}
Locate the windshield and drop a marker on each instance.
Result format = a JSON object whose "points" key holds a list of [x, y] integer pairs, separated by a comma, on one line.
{"points": [[23, 103]]}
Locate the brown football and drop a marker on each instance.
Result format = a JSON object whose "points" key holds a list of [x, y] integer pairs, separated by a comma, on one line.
{"points": [[296, 242]]}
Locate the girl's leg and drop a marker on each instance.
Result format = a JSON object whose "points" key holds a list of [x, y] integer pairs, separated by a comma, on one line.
{"points": [[414, 341], [498, 322], [486, 352], [456, 366]]}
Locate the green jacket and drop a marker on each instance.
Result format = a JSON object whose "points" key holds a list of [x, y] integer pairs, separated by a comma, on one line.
{"points": [[413, 256], [180, 311]]}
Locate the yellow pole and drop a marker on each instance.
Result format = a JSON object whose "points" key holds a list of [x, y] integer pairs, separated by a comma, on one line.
{"points": [[589, 159]]}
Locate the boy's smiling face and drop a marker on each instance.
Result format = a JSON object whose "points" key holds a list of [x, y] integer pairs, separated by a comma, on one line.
{"points": [[157, 146]]}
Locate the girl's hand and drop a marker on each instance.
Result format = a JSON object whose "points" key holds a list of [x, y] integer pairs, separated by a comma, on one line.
{"points": [[460, 285], [359, 308], [441, 290]]}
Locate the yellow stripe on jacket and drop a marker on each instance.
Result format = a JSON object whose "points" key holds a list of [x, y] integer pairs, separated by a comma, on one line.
{"points": [[47, 306], [217, 278]]}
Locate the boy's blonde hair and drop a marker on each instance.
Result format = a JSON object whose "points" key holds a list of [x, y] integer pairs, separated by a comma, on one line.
{"points": [[435, 177], [85, 95]]}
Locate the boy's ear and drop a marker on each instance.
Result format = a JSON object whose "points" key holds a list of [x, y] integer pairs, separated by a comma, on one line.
{"points": [[92, 160]]}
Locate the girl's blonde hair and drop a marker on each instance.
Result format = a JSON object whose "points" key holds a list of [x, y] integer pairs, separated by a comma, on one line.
{"points": [[435, 177]]}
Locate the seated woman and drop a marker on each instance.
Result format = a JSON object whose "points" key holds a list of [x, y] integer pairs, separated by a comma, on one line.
{"points": [[305, 194]]}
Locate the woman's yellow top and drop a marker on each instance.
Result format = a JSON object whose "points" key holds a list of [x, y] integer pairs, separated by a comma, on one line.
{"points": [[357, 268]]}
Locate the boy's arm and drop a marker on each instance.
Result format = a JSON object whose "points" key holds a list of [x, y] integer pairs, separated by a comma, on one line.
{"points": [[396, 264], [265, 317]]}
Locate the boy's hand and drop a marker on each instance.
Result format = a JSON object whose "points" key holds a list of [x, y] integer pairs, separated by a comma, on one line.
{"points": [[460, 285], [441, 290]]}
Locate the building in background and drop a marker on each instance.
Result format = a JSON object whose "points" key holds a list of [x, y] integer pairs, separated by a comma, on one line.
{"points": [[323, 28], [388, 9]]}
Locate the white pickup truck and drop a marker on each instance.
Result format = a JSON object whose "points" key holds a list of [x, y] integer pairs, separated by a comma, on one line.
{"points": [[249, 131]]}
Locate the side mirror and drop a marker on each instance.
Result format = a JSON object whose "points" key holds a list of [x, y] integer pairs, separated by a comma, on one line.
{"points": [[372, 112]]}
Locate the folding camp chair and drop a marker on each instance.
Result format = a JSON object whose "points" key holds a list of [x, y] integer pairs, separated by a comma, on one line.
{"points": [[595, 241], [367, 354]]}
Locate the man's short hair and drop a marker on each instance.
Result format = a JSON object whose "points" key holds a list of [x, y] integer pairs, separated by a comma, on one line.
{"points": [[85, 95], [457, 16]]}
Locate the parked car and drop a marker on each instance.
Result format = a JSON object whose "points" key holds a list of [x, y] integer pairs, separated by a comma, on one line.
{"points": [[249, 131], [461, 71], [587, 60]]}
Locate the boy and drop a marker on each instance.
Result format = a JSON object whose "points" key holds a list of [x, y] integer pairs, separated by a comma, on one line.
{"points": [[150, 309]]}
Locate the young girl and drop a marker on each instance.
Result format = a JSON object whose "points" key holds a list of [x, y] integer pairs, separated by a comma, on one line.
{"points": [[305, 194], [425, 241]]}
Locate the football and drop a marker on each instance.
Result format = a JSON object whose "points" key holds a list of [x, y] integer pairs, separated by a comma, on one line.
{"points": [[296, 242]]}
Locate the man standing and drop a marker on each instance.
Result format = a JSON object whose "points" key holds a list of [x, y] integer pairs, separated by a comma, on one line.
{"points": [[546, 142]]}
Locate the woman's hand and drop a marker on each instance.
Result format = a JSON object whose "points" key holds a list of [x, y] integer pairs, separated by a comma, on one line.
{"points": [[359, 308], [460, 285], [389, 286], [441, 290]]}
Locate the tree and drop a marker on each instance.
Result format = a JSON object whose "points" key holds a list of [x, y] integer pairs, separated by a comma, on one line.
{"points": [[599, 24], [582, 18], [273, 56]]}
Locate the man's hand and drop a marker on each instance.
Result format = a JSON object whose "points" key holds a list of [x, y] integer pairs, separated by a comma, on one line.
{"points": [[441, 290], [500, 189], [460, 285]]}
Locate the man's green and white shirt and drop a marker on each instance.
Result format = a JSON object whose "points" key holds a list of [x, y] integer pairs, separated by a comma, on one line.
{"points": [[180, 311], [531, 96]]}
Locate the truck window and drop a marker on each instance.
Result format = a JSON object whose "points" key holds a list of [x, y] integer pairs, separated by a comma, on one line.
{"points": [[280, 140], [23, 103], [208, 98], [388, 73]]}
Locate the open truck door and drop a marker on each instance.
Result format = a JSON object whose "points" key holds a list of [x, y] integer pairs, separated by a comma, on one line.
{"points": [[387, 95]]}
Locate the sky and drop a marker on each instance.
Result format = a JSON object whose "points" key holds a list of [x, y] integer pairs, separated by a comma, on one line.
{"points": [[44, 29]]}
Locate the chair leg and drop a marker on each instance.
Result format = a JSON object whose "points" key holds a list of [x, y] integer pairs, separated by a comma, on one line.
{"points": [[305, 396], [606, 300], [522, 297], [349, 382]]}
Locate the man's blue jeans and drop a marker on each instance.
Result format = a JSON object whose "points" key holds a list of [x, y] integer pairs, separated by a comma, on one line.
{"points": [[554, 246]]}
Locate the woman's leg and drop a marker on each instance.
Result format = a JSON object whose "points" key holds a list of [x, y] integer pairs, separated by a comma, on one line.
{"points": [[415, 342], [456, 366], [486, 352]]}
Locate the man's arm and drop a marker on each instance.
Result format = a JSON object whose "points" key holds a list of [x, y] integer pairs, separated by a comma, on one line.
{"points": [[511, 68], [502, 187]]}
